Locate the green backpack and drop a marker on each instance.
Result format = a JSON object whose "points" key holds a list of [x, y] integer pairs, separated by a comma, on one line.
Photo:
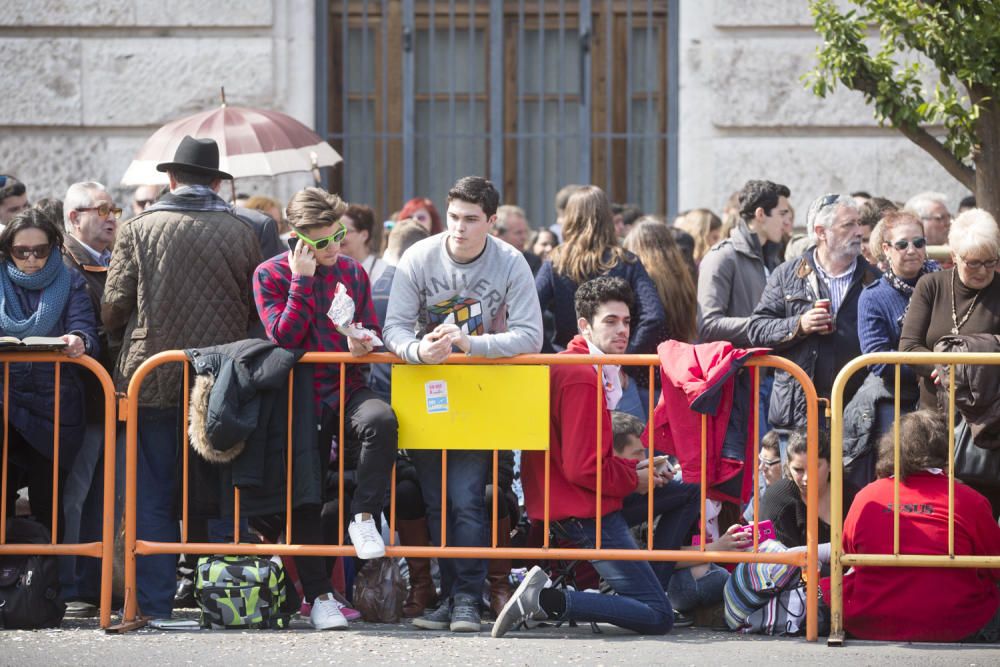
{"points": [[241, 592]]}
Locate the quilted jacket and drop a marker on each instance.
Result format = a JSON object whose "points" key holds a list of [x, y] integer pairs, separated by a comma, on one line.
{"points": [[178, 279]]}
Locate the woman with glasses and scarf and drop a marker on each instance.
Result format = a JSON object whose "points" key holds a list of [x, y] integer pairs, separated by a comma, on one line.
{"points": [[39, 296], [881, 309], [958, 301]]}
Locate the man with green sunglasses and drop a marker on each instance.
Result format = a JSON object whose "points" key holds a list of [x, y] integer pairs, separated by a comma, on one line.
{"points": [[294, 292]]}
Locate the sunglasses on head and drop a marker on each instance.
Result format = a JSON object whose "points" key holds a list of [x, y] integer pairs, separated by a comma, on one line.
{"points": [[7, 180], [103, 210], [903, 244], [769, 462], [320, 244], [39, 251]]}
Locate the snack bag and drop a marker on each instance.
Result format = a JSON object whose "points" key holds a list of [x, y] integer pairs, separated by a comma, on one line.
{"points": [[341, 313]]}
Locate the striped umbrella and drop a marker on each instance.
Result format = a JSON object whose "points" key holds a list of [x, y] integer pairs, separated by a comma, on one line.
{"points": [[252, 142]]}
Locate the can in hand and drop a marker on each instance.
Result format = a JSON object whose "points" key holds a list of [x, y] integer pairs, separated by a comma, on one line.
{"points": [[826, 305]]}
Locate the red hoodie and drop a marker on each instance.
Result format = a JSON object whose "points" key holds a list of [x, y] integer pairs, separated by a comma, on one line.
{"points": [[573, 448], [919, 603]]}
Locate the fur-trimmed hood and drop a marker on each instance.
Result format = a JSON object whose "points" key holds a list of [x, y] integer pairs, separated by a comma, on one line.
{"points": [[224, 408]]}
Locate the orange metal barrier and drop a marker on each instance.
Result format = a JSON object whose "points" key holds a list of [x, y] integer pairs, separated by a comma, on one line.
{"points": [[838, 559], [134, 547], [102, 549]]}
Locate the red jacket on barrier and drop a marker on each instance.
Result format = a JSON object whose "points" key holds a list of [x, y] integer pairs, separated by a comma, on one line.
{"points": [[699, 379], [573, 392]]}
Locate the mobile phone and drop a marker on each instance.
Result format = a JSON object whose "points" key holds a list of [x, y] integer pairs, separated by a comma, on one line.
{"points": [[292, 240], [661, 463], [765, 531]]}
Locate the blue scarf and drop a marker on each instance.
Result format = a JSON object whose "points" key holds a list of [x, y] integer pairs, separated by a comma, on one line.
{"points": [[52, 281]]}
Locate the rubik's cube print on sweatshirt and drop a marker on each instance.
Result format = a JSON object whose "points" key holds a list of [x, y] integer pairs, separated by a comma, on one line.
{"points": [[465, 312]]}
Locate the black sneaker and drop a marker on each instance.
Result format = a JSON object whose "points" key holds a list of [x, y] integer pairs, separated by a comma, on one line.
{"points": [[184, 596], [465, 614], [682, 620]]}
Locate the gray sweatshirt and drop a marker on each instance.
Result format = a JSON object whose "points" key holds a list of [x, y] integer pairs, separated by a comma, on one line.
{"points": [[492, 298]]}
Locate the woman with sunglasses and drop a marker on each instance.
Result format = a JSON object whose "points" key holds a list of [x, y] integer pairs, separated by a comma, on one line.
{"points": [[961, 300], [881, 309], [39, 296]]}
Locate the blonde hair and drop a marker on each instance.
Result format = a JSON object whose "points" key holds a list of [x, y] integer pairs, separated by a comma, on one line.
{"points": [[590, 247], [264, 205], [652, 241], [972, 230], [699, 223], [314, 207]]}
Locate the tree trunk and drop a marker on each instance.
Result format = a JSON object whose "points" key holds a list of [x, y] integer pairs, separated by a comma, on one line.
{"points": [[988, 158]]}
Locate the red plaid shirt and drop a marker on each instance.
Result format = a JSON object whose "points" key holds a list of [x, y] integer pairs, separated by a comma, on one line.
{"points": [[293, 310]]}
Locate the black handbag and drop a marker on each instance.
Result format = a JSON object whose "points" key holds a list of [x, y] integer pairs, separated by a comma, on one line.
{"points": [[973, 464]]}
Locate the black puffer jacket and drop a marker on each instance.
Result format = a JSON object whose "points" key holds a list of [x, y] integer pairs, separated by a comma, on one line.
{"points": [[792, 289], [238, 426]]}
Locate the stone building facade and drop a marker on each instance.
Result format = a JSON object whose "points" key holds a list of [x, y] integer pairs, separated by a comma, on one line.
{"points": [[87, 81]]}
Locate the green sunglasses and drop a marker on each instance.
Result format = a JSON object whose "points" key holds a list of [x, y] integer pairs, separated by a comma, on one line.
{"points": [[320, 244]]}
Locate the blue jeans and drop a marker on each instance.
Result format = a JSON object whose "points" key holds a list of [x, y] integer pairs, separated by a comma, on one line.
{"points": [[156, 520], [640, 604], [83, 511], [466, 513], [677, 506], [687, 593]]}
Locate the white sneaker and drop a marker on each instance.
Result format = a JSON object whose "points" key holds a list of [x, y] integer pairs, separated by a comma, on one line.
{"points": [[326, 614], [366, 538]]}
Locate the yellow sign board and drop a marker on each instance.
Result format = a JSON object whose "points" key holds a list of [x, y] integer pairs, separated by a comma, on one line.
{"points": [[471, 407]]}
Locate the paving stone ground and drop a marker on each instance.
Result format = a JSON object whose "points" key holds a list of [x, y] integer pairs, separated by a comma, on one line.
{"points": [[82, 643]]}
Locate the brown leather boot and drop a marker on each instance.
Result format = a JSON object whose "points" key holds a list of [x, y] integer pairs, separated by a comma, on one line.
{"points": [[422, 594], [499, 571]]}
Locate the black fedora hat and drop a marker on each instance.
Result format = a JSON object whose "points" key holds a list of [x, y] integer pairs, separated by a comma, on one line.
{"points": [[196, 155]]}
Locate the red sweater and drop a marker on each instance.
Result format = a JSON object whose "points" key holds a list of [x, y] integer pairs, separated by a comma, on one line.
{"points": [[919, 603], [573, 392]]}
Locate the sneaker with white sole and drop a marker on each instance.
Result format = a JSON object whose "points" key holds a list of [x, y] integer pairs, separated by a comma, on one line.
{"points": [[524, 604], [465, 614], [326, 614], [437, 619], [366, 538]]}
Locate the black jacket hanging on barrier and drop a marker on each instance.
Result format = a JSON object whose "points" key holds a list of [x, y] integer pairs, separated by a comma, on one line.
{"points": [[238, 425]]}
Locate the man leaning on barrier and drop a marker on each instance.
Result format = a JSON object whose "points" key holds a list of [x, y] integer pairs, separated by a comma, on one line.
{"points": [[641, 605], [461, 289], [294, 292]]}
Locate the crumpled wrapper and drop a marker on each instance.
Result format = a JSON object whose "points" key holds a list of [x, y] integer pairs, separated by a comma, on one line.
{"points": [[341, 313]]}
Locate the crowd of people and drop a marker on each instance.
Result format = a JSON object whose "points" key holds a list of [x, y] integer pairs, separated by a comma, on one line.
{"points": [[253, 284]]}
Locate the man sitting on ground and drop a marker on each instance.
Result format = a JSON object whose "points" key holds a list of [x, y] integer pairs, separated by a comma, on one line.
{"points": [[602, 307]]}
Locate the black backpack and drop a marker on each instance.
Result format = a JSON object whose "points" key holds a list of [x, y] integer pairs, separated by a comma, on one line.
{"points": [[29, 585]]}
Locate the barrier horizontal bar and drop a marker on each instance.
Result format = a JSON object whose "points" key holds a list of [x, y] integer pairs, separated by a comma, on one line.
{"points": [[147, 548], [92, 549], [920, 560]]}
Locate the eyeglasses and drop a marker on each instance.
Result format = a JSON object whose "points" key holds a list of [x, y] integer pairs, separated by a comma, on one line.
{"points": [[903, 244], [103, 210], [320, 244], [39, 251], [768, 462], [977, 264]]}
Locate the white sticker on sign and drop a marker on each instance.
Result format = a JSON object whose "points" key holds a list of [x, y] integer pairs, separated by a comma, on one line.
{"points": [[437, 396]]}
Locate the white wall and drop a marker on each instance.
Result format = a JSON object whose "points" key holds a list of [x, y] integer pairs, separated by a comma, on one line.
{"points": [[87, 81], [745, 113]]}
